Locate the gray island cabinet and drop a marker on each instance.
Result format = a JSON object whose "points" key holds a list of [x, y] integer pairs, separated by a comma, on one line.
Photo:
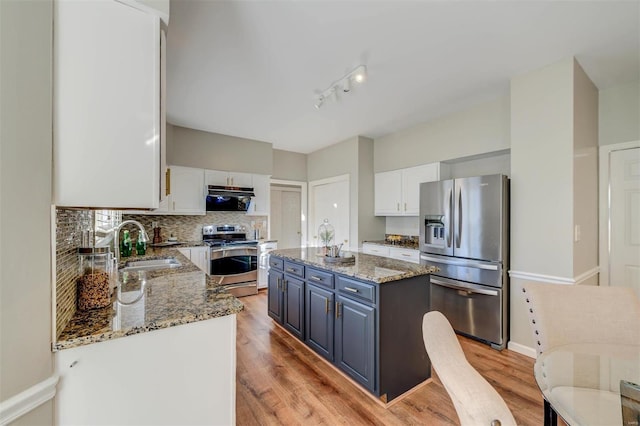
{"points": [[365, 319]]}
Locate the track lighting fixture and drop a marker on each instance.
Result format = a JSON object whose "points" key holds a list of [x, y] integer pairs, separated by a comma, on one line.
{"points": [[357, 75]]}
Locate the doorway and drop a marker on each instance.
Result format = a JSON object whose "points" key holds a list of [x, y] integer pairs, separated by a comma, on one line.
{"points": [[329, 199], [619, 213], [287, 216]]}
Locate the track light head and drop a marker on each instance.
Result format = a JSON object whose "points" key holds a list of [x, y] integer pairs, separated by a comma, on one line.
{"points": [[346, 85], [359, 75]]}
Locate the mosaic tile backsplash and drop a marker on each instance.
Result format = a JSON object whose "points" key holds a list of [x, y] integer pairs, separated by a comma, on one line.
{"points": [[189, 228], [68, 239]]}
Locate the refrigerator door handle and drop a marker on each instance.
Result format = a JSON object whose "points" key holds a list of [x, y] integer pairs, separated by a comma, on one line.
{"points": [[465, 289], [489, 267], [450, 231], [459, 213]]}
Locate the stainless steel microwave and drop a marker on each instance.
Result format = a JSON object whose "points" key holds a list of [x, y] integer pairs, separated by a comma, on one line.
{"points": [[228, 198]]}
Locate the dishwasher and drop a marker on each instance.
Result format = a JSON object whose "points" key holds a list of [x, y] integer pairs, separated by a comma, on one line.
{"points": [[263, 261]]}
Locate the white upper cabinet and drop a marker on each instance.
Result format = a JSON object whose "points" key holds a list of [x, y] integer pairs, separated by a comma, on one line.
{"points": [[397, 193], [217, 177], [260, 204], [106, 105], [388, 193], [187, 195]]}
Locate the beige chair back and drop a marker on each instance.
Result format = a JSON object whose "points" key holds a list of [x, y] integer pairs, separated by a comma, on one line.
{"points": [[476, 401], [565, 314]]}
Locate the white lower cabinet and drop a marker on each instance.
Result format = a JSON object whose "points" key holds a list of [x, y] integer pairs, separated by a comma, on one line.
{"points": [[375, 249], [408, 255], [181, 375], [199, 256]]}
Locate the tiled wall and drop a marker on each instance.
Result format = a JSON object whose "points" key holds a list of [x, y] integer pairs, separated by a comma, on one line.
{"points": [[69, 225], [189, 228], [68, 239]]}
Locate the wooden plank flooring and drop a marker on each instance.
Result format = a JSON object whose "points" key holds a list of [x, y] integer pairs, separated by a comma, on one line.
{"points": [[280, 382]]}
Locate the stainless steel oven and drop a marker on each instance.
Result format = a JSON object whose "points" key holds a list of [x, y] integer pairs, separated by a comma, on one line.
{"points": [[233, 259]]}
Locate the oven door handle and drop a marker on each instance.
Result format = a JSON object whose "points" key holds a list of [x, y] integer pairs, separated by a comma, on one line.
{"points": [[465, 289], [247, 248]]}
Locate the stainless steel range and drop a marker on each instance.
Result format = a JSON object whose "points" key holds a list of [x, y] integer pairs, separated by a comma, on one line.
{"points": [[234, 258]]}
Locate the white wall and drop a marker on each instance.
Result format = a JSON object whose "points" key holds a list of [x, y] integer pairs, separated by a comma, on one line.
{"points": [[478, 130], [585, 173], [619, 113], [554, 130], [289, 165], [195, 148], [25, 200]]}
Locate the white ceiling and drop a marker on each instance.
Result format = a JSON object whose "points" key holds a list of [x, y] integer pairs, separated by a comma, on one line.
{"points": [[252, 68]]}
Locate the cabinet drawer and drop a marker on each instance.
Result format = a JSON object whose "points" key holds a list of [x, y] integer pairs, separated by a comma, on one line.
{"points": [[356, 289], [407, 255], [319, 277], [375, 249], [276, 263], [293, 269]]}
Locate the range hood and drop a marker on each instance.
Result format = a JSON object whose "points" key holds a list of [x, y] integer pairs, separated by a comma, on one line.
{"points": [[230, 191]]}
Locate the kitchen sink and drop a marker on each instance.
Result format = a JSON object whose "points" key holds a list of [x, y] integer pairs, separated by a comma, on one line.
{"points": [[150, 265]]}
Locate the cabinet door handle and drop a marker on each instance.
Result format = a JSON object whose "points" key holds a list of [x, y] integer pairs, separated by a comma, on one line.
{"points": [[326, 306], [405, 207], [337, 309], [291, 270], [405, 254], [313, 277], [351, 289], [398, 206], [284, 287], [278, 283], [167, 182]]}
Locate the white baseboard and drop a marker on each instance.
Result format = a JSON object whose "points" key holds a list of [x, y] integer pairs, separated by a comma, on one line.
{"points": [[522, 349], [521, 275], [27, 400]]}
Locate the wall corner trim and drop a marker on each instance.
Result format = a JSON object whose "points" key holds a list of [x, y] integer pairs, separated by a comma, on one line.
{"points": [[554, 279], [27, 400], [522, 349]]}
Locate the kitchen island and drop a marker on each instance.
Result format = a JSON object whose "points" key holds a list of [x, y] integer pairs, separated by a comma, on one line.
{"points": [[364, 319], [162, 353]]}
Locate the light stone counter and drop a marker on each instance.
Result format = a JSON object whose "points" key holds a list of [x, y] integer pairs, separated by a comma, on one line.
{"points": [[150, 300], [367, 267]]}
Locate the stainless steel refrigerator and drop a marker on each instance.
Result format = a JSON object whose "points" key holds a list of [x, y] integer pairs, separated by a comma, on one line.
{"points": [[464, 231]]}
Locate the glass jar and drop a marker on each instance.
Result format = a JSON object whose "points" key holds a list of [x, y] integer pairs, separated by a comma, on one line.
{"points": [[326, 233], [95, 277]]}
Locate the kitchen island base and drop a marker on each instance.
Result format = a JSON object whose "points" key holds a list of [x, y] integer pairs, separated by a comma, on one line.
{"points": [[365, 320], [382, 401]]}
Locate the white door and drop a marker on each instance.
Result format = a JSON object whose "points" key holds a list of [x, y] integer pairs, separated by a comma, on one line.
{"points": [[286, 218], [331, 201], [624, 181]]}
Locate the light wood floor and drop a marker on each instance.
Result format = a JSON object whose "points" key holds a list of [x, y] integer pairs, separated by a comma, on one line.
{"points": [[280, 382]]}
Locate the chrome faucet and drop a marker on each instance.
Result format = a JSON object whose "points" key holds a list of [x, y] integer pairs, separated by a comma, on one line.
{"points": [[116, 237]]}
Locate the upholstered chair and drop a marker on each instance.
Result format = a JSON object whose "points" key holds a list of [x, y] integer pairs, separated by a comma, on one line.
{"points": [[475, 400], [566, 314]]}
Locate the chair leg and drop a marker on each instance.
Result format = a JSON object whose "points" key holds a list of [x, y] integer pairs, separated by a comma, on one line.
{"points": [[550, 416]]}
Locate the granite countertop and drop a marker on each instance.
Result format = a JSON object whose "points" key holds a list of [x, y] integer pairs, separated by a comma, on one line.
{"points": [[367, 267], [399, 244], [150, 300]]}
